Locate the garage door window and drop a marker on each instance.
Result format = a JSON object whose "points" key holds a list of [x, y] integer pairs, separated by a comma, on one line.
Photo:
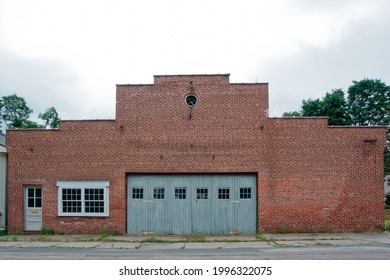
{"points": [[223, 193], [138, 193], [83, 198], [180, 193], [158, 193], [201, 193], [245, 193]]}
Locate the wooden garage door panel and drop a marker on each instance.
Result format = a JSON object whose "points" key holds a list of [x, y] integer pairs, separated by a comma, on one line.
{"points": [[190, 204]]}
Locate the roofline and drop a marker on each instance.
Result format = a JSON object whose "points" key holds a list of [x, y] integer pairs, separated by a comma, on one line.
{"points": [[121, 85], [191, 75], [249, 84], [358, 126], [294, 118], [91, 120], [32, 129]]}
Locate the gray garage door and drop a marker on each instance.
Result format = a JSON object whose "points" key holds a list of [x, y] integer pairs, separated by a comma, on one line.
{"points": [[186, 204]]}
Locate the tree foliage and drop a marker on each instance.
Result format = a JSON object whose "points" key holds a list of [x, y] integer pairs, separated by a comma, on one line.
{"points": [[312, 108], [369, 102], [14, 111], [333, 105], [50, 117], [15, 114], [292, 114]]}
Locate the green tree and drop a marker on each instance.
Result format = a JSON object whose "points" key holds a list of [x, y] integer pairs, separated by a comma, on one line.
{"points": [[292, 114], [369, 102], [333, 105], [50, 117], [312, 108], [30, 124], [14, 111]]}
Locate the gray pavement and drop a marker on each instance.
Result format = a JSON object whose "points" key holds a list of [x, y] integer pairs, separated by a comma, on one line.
{"points": [[141, 242]]}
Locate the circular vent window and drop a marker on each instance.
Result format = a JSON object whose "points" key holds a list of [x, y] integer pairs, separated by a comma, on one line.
{"points": [[191, 100]]}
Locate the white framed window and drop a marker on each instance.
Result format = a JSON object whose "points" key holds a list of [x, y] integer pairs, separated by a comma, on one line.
{"points": [[83, 198]]}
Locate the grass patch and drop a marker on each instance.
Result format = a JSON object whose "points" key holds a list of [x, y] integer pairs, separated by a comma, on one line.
{"points": [[153, 239], [282, 228], [48, 231], [196, 238], [387, 214], [387, 219], [260, 237], [103, 235]]}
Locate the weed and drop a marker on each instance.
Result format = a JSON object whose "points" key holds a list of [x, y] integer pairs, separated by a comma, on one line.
{"points": [[3, 232], [14, 238], [387, 224], [103, 236], [260, 237], [196, 238], [153, 239], [282, 228], [48, 231], [116, 233]]}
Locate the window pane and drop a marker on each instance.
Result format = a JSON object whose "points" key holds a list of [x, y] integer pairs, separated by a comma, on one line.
{"points": [[201, 193], [159, 193], [30, 193], [38, 202], [223, 193], [138, 193], [38, 193], [180, 193], [30, 202], [245, 193]]}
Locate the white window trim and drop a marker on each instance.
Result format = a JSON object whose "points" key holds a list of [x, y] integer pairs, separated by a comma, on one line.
{"points": [[84, 185]]}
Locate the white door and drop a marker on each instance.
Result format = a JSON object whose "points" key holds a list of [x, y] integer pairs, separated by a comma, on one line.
{"points": [[33, 208]]}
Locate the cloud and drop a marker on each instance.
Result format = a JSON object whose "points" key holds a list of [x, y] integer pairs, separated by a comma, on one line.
{"points": [[71, 55], [46, 82], [362, 53]]}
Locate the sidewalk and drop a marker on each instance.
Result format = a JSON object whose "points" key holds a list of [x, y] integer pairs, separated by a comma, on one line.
{"points": [[142, 242]]}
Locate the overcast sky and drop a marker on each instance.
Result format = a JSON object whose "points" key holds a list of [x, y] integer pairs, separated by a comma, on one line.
{"points": [[70, 54]]}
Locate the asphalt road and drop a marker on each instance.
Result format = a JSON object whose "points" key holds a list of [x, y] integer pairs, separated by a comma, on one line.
{"points": [[349, 252]]}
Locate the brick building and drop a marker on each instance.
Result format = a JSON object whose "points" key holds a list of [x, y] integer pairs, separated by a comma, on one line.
{"points": [[195, 154]]}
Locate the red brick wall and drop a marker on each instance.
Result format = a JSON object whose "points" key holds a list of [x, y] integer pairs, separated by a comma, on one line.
{"points": [[310, 177], [322, 178]]}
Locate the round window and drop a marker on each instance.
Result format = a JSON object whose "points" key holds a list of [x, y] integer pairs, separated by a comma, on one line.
{"points": [[191, 100]]}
